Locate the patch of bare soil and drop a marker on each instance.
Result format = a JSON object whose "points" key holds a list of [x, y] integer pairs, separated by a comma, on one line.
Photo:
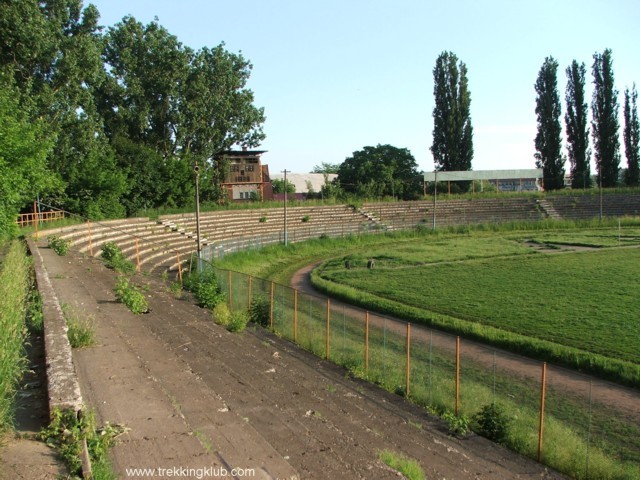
{"points": [[195, 395]]}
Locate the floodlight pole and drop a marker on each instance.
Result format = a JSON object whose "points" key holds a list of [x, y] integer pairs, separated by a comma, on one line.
{"points": [[196, 170], [285, 207]]}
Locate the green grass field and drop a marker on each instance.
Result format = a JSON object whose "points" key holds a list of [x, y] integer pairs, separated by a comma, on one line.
{"points": [[584, 300]]}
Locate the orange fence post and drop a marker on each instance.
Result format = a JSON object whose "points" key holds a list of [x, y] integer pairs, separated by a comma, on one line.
{"points": [[249, 294], [408, 359], [90, 240], [366, 341], [179, 267], [271, 306], [457, 375], [137, 257], [295, 315], [327, 355], [543, 391], [35, 216]]}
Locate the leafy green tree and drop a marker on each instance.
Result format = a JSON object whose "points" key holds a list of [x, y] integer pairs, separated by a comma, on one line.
{"points": [[380, 171], [548, 141], [24, 145], [604, 107], [577, 126], [632, 136], [55, 59], [326, 167], [452, 146], [278, 186]]}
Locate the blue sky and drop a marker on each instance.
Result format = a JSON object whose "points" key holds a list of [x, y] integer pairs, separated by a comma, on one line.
{"points": [[337, 75]]}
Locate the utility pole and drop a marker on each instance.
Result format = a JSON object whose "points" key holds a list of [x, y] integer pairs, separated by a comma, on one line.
{"points": [[285, 207]]}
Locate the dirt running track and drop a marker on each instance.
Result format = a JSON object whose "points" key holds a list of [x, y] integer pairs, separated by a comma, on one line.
{"points": [[194, 395], [625, 400]]}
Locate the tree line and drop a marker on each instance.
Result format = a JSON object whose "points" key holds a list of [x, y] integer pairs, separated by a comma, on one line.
{"points": [[107, 122], [389, 171], [110, 121], [604, 126]]}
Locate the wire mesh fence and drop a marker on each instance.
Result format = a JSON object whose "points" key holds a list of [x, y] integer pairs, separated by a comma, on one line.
{"points": [[563, 423]]}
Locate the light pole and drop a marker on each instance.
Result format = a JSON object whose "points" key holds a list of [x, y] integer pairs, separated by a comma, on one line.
{"points": [[196, 170], [285, 207]]}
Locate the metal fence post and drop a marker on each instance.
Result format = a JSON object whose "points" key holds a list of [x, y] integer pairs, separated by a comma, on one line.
{"points": [[230, 289], [137, 257], [249, 294], [327, 352], [90, 240], [408, 359], [543, 390], [457, 375], [366, 341], [271, 306], [295, 315], [179, 267]]}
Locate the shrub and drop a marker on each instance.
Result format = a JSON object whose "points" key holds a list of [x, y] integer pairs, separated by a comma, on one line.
{"points": [[131, 296], [204, 287], [260, 311], [66, 432], [493, 423], [305, 219], [114, 259], [238, 322], [221, 314], [262, 219], [457, 424], [59, 245]]}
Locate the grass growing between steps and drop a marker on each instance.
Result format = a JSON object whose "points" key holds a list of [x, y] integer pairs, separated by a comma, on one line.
{"points": [[15, 284]]}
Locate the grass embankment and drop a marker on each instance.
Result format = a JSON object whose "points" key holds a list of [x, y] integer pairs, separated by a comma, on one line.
{"points": [[15, 282]]}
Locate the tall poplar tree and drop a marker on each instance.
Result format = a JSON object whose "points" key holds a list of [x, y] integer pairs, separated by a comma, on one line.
{"points": [[577, 126], [631, 137], [604, 106], [452, 146], [548, 141]]}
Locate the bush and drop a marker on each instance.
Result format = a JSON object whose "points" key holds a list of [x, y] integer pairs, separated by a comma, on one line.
{"points": [[457, 424], [222, 314], [238, 322], [493, 423], [59, 245], [131, 296], [204, 287], [114, 259], [66, 432], [260, 311]]}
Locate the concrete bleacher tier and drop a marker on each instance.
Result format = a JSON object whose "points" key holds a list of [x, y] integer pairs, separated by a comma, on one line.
{"points": [[162, 243], [403, 215], [584, 206]]}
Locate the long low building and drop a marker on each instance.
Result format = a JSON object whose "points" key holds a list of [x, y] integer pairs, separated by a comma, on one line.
{"points": [[504, 180]]}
